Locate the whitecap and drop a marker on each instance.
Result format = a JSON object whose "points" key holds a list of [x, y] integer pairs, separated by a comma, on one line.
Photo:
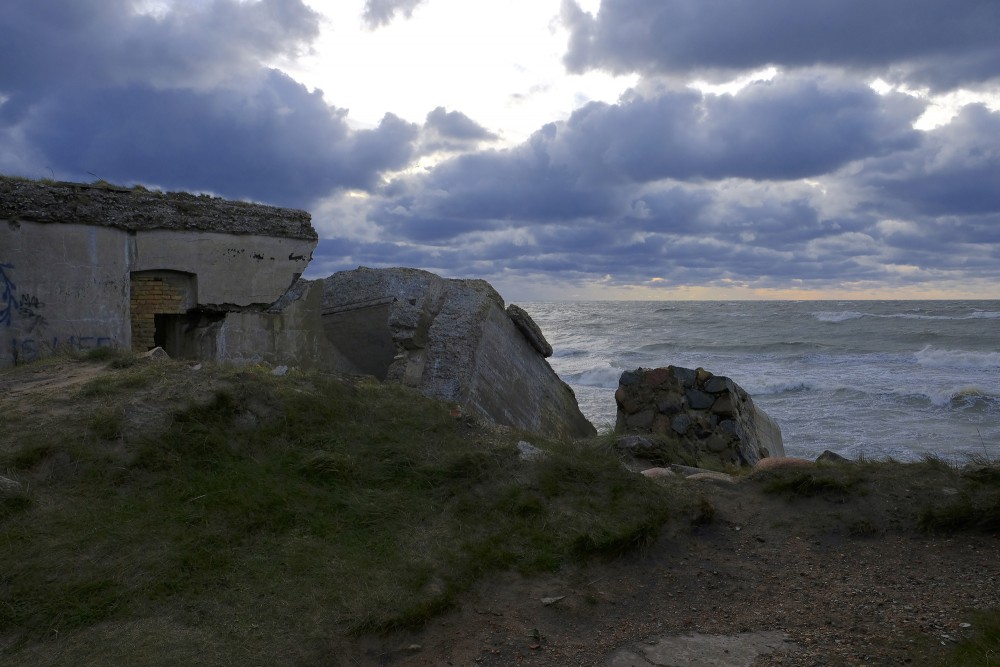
{"points": [[602, 376], [934, 358], [841, 316]]}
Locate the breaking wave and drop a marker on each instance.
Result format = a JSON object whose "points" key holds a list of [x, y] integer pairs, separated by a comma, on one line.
{"points": [[846, 315], [841, 316], [933, 358]]}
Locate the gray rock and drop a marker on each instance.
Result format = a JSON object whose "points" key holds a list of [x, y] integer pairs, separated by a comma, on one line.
{"points": [[687, 471], [686, 377], [699, 400], [9, 486], [638, 446], [716, 384], [658, 473], [629, 378], [697, 650], [712, 477], [530, 330], [280, 370], [528, 452], [680, 424], [156, 353], [452, 340], [641, 420], [832, 457]]}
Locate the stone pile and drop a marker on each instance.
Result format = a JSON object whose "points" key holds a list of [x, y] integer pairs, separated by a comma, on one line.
{"points": [[701, 416]]}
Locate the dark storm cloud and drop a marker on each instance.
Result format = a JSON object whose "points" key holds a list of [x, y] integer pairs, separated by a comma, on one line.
{"points": [[589, 166], [955, 172], [107, 42], [941, 44], [181, 100], [783, 129], [452, 131], [275, 141], [381, 12], [587, 197]]}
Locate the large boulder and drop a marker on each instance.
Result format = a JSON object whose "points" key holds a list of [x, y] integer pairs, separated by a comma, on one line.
{"points": [[453, 341], [706, 416]]}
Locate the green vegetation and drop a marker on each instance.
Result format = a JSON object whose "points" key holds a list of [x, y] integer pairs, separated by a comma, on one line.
{"points": [[828, 482], [983, 648], [880, 496], [270, 512]]}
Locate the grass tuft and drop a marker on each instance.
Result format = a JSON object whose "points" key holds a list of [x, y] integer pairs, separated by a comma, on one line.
{"points": [[983, 648], [798, 484], [967, 512]]}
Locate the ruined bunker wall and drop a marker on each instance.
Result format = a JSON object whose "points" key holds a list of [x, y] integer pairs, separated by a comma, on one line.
{"points": [[62, 287], [70, 286], [232, 270], [96, 266], [290, 333]]}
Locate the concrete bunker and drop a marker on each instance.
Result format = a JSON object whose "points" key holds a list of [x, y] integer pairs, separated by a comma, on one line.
{"points": [[361, 332], [85, 266]]}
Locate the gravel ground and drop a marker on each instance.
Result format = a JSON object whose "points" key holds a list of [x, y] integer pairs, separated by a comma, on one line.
{"points": [[764, 565]]}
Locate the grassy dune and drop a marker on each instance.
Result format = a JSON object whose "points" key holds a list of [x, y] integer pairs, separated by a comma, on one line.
{"points": [[247, 514], [171, 514]]}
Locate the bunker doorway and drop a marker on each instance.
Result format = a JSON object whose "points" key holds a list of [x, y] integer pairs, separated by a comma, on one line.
{"points": [[160, 302]]}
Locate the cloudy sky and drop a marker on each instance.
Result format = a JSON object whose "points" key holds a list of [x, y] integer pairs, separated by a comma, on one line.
{"points": [[557, 148]]}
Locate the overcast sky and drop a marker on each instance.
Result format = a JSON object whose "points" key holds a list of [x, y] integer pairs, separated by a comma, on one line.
{"points": [[557, 148]]}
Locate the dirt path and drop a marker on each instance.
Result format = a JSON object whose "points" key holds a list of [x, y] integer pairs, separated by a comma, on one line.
{"points": [[765, 565]]}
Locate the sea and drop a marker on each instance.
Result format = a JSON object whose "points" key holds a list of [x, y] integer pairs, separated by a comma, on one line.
{"points": [[876, 379]]}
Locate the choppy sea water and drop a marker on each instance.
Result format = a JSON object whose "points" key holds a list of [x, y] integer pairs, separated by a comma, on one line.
{"points": [[896, 379]]}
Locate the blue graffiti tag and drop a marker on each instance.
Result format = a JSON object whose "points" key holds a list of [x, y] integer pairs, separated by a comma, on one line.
{"points": [[7, 300]]}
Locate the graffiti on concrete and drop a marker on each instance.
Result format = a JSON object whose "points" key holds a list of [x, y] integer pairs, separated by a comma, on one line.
{"points": [[23, 350], [8, 299], [27, 306]]}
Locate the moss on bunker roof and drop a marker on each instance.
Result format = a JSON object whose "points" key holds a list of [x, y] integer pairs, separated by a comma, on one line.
{"points": [[138, 209]]}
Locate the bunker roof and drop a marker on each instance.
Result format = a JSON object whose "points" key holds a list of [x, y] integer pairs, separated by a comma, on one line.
{"points": [[138, 209]]}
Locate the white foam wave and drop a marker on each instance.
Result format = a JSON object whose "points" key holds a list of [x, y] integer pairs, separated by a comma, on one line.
{"points": [[835, 316], [845, 315], [934, 358], [967, 395], [603, 376]]}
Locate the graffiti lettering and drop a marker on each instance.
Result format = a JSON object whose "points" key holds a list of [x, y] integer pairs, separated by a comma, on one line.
{"points": [[27, 308], [8, 302]]}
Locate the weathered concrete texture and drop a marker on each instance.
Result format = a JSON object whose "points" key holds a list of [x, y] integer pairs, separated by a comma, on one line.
{"points": [[705, 414], [64, 287], [288, 333], [452, 340], [137, 209], [697, 650], [232, 270]]}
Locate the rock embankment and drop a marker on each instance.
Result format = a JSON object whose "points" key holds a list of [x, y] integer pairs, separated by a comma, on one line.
{"points": [[695, 413]]}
